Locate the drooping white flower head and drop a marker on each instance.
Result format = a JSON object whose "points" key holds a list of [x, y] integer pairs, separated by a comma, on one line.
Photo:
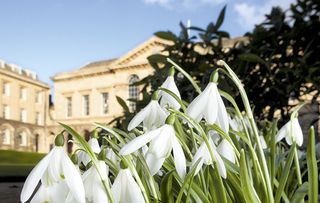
{"points": [[55, 167], [83, 156], [165, 98], [94, 190], [209, 106], [291, 127], [125, 189], [152, 116], [162, 142], [226, 150], [204, 155]]}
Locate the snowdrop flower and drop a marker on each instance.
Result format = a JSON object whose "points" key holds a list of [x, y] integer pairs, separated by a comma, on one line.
{"points": [[83, 156], [291, 127], [162, 142], [125, 189], [226, 150], [55, 167], [152, 115], [165, 98], [209, 105], [204, 155], [94, 190]]}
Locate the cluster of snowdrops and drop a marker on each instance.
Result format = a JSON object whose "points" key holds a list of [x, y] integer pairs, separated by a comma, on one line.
{"points": [[172, 152]]}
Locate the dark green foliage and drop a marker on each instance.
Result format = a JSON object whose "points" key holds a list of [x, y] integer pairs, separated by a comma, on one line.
{"points": [[278, 61]]}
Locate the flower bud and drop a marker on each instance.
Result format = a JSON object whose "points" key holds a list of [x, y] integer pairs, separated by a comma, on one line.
{"points": [[171, 118], [94, 134], [214, 76], [171, 71], [102, 155], [155, 96], [74, 159], [59, 140]]}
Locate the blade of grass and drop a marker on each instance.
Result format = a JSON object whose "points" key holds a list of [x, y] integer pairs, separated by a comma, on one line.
{"points": [[312, 168]]}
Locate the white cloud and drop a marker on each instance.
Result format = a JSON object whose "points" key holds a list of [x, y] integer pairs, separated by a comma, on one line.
{"points": [[251, 14], [184, 4]]}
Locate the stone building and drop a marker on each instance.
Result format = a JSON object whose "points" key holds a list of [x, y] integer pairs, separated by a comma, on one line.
{"points": [[23, 109], [88, 94]]}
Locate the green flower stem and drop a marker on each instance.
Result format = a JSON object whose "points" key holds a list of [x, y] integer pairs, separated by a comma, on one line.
{"points": [[246, 103], [312, 168], [175, 97], [194, 84]]}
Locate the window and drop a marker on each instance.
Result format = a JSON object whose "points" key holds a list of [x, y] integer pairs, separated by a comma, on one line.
{"points": [[23, 93], [105, 96], [86, 105], [133, 91], [69, 106], [6, 89], [38, 118], [22, 138], [6, 112], [6, 136], [38, 97], [23, 115]]}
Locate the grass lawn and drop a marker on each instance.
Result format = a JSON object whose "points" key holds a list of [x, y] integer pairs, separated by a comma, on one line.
{"points": [[15, 164]]}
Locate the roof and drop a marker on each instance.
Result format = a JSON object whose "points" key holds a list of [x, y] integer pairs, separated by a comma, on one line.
{"points": [[99, 63]]}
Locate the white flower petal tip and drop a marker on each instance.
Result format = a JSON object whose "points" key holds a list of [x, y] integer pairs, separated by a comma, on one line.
{"points": [[291, 127], [226, 150], [125, 188], [152, 116], [165, 98], [209, 106], [204, 154]]}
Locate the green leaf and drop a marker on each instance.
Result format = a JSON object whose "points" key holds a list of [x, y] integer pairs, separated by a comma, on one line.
{"points": [[221, 17], [157, 58], [249, 192], [166, 35], [123, 104], [249, 57], [300, 193], [166, 188], [312, 168], [284, 175]]}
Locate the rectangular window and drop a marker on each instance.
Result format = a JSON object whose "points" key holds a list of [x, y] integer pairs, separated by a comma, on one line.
{"points": [[69, 107], [38, 118], [105, 97], [6, 88], [23, 115], [86, 105], [6, 136], [6, 112], [38, 97], [23, 93]]}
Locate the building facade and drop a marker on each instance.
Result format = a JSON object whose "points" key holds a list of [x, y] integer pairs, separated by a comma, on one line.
{"points": [[23, 109]]}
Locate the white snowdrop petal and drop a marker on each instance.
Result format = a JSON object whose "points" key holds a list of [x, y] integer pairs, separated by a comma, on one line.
{"points": [[116, 188], [34, 178], [179, 158], [154, 163], [220, 164], [211, 109], [161, 146], [222, 117], [139, 117], [226, 150], [297, 132], [198, 105], [94, 144], [100, 195], [263, 142], [139, 142], [134, 194], [282, 132], [73, 178]]}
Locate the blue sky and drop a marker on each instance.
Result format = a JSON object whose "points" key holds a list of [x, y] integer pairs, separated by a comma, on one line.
{"points": [[51, 36]]}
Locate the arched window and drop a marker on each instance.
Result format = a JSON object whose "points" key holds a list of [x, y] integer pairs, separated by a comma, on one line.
{"points": [[22, 138], [133, 92], [5, 135]]}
